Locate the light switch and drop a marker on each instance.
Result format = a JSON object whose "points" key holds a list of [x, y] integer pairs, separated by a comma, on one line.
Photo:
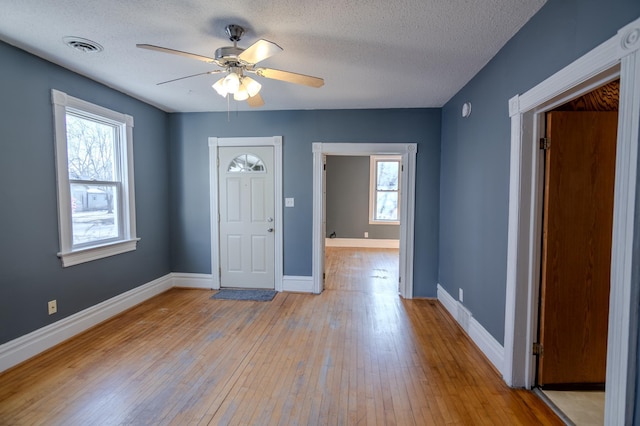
{"points": [[289, 202]]}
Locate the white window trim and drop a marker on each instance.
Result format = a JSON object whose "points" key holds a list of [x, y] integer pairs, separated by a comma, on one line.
{"points": [[373, 159], [67, 254]]}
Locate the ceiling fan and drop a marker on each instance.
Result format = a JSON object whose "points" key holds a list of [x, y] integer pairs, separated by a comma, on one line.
{"points": [[237, 62]]}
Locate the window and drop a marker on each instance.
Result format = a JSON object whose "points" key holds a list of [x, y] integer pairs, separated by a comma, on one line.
{"points": [[384, 198], [94, 166], [244, 163]]}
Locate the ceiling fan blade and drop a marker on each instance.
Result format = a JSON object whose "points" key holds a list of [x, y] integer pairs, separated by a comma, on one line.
{"points": [[259, 51], [255, 100], [176, 52], [290, 77], [189, 76]]}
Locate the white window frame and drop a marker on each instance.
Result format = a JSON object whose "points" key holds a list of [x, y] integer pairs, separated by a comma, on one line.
{"points": [[373, 184], [127, 241]]}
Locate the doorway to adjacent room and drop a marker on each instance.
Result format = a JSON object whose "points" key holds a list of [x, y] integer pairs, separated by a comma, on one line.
{"points": [[577, 216]]}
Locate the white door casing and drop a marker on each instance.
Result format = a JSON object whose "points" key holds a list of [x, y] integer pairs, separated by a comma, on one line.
{"points": [[245, 179], [408, 153], [617, 57], [273, 143]]}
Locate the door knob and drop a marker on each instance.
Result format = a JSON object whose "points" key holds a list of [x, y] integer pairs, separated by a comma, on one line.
{"points": [[269, 229], [269, 219]]}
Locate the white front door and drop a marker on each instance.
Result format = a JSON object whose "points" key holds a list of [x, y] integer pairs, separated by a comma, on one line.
{"points": [[247, 226]]}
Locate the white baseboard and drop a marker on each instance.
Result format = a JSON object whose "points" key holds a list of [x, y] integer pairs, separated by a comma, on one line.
{"points": [[361, 242], [185, 280], [18, 350], [297, 284], [205, 281], [449, 302], [493, 350], [21, 349]]}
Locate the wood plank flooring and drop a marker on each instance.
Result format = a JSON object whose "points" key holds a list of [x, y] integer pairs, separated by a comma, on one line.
{"points": [[356, 354]]}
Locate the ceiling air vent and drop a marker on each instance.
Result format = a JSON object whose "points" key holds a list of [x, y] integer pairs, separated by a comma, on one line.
{"points": [[82, 44]]}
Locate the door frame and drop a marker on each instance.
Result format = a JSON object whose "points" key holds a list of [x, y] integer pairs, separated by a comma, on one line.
{"points": [[408, 152], [214, 204], [618, 57]]}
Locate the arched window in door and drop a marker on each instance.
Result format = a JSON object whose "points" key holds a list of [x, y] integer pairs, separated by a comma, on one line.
{"points": [[246, 163]]}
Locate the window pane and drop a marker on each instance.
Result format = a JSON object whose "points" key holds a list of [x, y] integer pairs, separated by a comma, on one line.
{"points": [[387, 175], [246, 163], [254, 164], [90, 149], [387, 206], [93, 213]]}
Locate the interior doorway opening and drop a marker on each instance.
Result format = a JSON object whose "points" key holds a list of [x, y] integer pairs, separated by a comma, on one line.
{"points": [[407, 152], [362, 217], [577, 219]]}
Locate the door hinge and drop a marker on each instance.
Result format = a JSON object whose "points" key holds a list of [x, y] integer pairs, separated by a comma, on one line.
{"points": [[324, 167], [402, 168], [324, 276], [545, 143], [400, 279], [538, 349]]}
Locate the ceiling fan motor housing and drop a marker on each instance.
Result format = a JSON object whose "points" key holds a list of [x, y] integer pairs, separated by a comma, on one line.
{"points": [[228, 56]]}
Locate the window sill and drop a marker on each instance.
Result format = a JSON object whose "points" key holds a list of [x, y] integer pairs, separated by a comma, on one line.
{"points": [[94, 253], [380, 222]]}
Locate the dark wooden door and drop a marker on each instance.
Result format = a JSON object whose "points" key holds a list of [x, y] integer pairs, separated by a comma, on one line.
{"points": [[576, 252]]}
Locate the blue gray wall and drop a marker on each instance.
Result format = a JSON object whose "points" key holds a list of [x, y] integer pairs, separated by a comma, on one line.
{"points": [[475, 154], [475, 151], [190, 228], [462, 176], [347, 199], [30, 272]]}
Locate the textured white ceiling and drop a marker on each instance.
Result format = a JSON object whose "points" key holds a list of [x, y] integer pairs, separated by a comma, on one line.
{"points": [[371, 53]]}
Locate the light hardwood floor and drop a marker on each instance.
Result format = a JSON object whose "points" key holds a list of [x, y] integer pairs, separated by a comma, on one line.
{"points": [[356, 354]]}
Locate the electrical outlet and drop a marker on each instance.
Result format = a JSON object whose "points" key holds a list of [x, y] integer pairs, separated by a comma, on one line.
{"points": [[460, 295], [53, 307], [366, 235]]}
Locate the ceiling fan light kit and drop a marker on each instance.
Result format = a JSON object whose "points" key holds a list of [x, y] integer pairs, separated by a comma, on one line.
{"points": [[236, 61], [231, 82], [252, 86]]}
